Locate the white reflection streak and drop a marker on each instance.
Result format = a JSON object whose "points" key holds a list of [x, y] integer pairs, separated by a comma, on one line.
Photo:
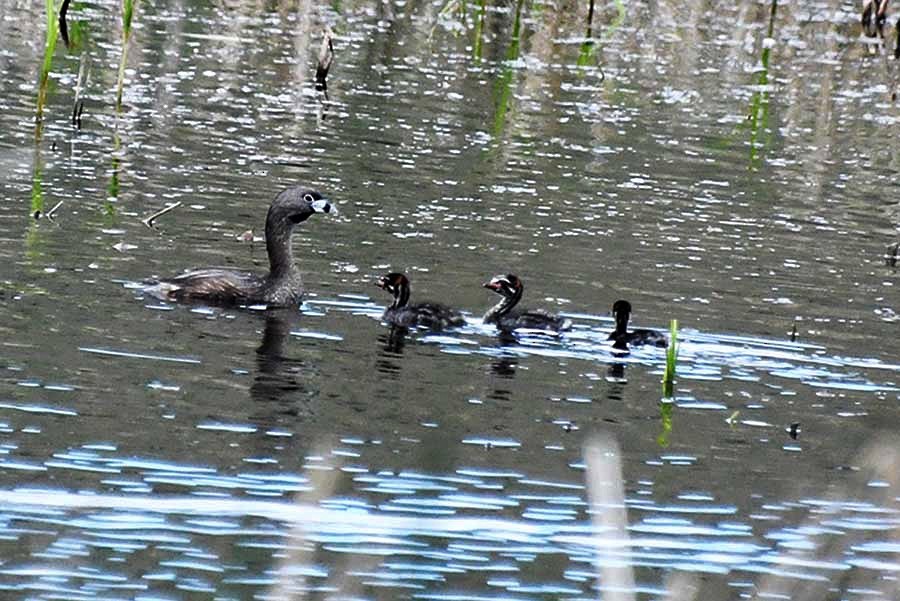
{"points": [[607, 497], [305, 514], [291, 582]]}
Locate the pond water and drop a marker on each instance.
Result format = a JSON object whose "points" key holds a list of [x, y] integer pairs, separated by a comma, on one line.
{"points": [[156, 451]]}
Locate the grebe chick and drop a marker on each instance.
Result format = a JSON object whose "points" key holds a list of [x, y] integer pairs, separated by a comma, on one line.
{"points": [[433, 316], [622, 311], [510, 287], [280, 287]]}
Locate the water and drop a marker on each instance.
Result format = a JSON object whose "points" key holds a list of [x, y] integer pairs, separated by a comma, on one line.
{"points": [[158, 451]]}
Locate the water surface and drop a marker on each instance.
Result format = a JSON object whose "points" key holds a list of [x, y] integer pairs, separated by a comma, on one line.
{"points": [[160, 451]]}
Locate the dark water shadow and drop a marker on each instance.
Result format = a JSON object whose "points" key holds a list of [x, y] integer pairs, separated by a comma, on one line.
{"points": [[280, 389], [616, 379], [389, 361], [503, 367]]}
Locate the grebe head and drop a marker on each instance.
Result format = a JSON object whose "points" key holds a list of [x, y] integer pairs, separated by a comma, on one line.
{"points": [[393, 282], [621, 307], [508, 286], [296, 204]]}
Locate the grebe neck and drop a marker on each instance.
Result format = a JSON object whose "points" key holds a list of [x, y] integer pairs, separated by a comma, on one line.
{"points": [[401, 295], [622, 318], [278, 247], [505, 305]]}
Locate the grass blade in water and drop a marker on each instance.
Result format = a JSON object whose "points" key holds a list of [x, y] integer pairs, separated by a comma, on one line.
{"points": [[51, 35], [127, 15], [671, 357]]}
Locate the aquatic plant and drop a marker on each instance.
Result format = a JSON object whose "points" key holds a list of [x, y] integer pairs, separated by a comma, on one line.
{"points": [[758, 119], [504, 83], [665, 416], [50, 37], [479, 29], [37, 188], [588, 51], [127, 16], [668, 380], [112, 188]]}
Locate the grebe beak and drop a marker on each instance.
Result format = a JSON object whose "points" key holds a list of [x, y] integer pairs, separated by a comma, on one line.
{"points": [[323, 206]]}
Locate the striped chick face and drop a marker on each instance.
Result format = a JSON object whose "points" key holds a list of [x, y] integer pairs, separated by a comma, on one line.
{"points": [[505, 285]]}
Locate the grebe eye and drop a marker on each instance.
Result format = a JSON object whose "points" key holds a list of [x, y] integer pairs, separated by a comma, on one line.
{"points": [[308, 198]]}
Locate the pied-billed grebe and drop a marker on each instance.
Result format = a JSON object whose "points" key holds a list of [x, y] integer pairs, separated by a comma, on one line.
{"points": [[622, 337], [510, 287], [281, 287], [433, 316]]}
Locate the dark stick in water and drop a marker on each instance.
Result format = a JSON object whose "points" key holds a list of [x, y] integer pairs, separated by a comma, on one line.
{"points": [[63, 28]]}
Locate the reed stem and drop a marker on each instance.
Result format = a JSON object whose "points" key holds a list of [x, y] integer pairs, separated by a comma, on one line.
{"points": [[51, 35], [127, 15], [668, 381]]}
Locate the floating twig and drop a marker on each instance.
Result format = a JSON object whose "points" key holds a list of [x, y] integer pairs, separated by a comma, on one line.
{"points": [[51, 212], [63, 28], [148, 221], [731, 420], [794, 333], [326, 58]]}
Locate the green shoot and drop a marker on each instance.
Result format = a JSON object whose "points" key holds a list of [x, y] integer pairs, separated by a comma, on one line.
{"points": [[479, 30], [51, 35], [665, 415], [668, 381], [127, 15]]}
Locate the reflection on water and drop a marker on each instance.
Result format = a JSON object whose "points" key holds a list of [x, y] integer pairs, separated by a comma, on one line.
{"points": [[280, 385], [434, 533], [157, 451]]}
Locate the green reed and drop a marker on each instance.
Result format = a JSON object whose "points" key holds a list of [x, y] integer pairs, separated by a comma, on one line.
{"points": [[503, 86], [50, 38], [479, 29], [587, 53], [758, 119], [127, 15], [668, 380], [665, 417], [37, 187]]}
